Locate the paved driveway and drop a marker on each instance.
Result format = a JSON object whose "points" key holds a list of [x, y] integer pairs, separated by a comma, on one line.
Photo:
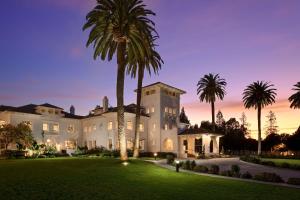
{"points": [[225, 164]]}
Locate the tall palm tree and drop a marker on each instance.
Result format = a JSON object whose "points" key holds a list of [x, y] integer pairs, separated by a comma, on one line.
{"points": [[259, 95], [137, 67], [211, 87], [295, 98], [120, 27]]}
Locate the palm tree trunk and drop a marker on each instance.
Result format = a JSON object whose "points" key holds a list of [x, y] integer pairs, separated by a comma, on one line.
{"points": [[138, 111], [259, 130], [213, 116], [120, 99]]}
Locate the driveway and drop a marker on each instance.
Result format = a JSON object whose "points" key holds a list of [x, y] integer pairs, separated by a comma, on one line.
{"points": [[225, 164]]}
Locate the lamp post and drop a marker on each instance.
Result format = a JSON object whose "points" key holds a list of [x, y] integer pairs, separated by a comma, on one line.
{"points": [[177, 165], [155, 155]]}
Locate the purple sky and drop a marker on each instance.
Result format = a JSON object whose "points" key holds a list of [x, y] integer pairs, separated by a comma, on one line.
{"points": [[43, 57]]}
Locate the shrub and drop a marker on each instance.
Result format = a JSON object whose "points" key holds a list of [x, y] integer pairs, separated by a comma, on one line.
{"points": [[193, 164], [269, 163], [61, 154], [226, 173], [214, 169], [187, 165], [294, 181], [251, 159], [285, 165], [269, 177], [201, 168], [170, 159], [246, 175], [235, 169]]}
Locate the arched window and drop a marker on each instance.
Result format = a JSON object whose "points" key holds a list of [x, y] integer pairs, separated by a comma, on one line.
{"points": [[168, 145]]}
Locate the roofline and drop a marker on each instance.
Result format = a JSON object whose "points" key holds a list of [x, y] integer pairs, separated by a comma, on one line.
{"points": [[158, 83]]}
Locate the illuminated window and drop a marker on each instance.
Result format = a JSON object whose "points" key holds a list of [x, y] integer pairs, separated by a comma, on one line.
{"points": [[148, 110], [129, 125], [154, 126], [152, 109], [71, 128], [166, 127], [70, 144], [129, 144], [110, 125], [2, 122], [174, 111], [94, 127], [170, 110], [55, 127], [168, 145], [166, 109], [45, 127], [141, 127]]}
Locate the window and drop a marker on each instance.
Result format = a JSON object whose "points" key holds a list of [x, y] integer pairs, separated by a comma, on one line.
{"points": [[90, 129], [152, 92], [70, 144], [148, 110], [95, 144], [168, 145], [142, 145], [129, 144], [94, 127], [152, 109], [154, 126], [166, 109], [71, 128], [45, 127], [141, 127], [129, 125], [50, 111], [56, 112], [110, 125], [2, 122], [110, 145], [147, 93], [170, 111], [166, 126], [55, 127], [85, 129], [174, 111]]}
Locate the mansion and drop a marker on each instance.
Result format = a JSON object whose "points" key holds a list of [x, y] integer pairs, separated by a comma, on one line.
{"points": [[160, 128]]}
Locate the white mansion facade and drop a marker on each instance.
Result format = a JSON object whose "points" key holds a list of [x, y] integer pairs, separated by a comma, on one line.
{"points": [[160, 128]]}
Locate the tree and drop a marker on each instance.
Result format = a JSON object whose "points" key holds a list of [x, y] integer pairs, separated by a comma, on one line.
{"points": [[271, 122], [259, 95], [293, 141], [220, 119], [138, 66], [182, 117], [7, 134], [120, 27], [295, 98], [244, 124], [209, 88]]}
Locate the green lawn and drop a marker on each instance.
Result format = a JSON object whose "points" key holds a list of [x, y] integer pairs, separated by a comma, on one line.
{"points": [[279, 161], [87, 178]]}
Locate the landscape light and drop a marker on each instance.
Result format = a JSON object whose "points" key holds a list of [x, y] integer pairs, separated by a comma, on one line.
{"points": [[155, 155], [177, 165], [125, 163]]}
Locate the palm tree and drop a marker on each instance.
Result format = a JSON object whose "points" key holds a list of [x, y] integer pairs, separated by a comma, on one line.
{"points": [[120, 27], [137, 67], [295, 98], [259, 95], [211, 87]]}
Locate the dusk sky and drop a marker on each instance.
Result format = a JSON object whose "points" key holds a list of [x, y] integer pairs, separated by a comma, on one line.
{"points": [[43, 57]]}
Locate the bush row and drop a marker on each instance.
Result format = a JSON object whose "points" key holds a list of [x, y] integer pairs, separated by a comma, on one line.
{"points": [[234, 172], [257, 160]]}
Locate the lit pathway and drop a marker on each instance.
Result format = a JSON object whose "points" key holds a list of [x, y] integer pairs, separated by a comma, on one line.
{"points": [[225, 164]]}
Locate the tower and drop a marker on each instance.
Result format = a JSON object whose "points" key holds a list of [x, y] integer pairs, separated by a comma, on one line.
{"points": [[162, 103]]}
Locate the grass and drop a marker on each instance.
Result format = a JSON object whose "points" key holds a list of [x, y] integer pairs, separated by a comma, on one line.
{"points": [[93, 178], [280, 161]]}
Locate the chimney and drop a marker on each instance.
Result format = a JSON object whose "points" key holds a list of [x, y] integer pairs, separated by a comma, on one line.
{"points": [[105, 104], [72, 110]]}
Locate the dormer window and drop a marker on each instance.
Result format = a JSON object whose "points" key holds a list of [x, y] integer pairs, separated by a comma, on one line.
{"points": [[45, 127], [55, 128], [56, 112]]}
